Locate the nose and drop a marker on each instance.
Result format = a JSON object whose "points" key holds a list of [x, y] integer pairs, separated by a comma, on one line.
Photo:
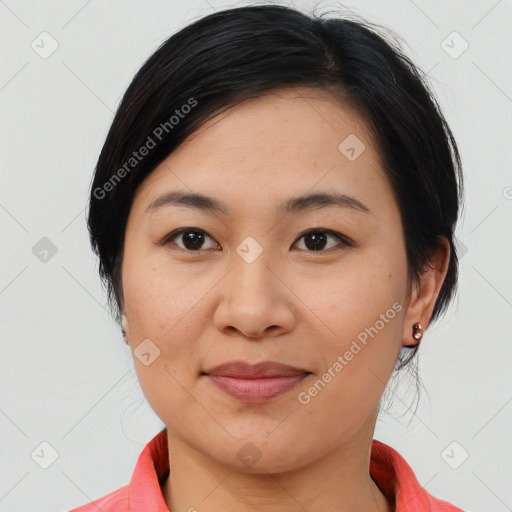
{"points": [[255, 300]]}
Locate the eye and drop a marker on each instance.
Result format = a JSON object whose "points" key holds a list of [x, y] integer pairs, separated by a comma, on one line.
{"points": [[316, 239], [192, 239]]}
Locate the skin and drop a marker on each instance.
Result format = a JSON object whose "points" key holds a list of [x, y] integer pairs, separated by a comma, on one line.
{"points": [[202, 307]]}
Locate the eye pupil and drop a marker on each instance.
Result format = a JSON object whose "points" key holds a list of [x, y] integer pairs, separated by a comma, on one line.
{"points": [[195, 238], [318, 241]]}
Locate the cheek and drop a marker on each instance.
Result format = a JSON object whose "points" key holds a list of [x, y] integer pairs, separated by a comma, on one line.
{"points": [[154, 294], [364, 288], [363, 310], [165, 308], [163, 305], [357, 363]]}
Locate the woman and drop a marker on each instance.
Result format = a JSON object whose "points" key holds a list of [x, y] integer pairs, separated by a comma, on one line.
{"points": [[274, 210]]}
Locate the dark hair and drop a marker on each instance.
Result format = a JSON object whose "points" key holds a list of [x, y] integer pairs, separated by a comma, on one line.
{"points": [[232, 55]]}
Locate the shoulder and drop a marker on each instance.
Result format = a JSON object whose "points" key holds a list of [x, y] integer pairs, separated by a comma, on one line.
{"points": [[116, 501], [397, 480], [143, 492]]}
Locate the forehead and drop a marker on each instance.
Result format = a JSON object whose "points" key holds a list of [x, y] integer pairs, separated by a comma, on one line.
{"points": [[283, 144], [302, 119]]}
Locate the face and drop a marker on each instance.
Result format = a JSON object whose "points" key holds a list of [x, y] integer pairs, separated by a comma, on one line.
{"points": [[320, 286]]}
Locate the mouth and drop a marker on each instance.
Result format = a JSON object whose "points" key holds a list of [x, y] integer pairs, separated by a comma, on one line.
{"points": [[255, 383]]}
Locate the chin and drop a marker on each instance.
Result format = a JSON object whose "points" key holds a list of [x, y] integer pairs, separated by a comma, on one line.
{"points": [[258, 455]]}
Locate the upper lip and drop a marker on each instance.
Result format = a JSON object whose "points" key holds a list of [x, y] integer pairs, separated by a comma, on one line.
{"points": [[245, 370]]}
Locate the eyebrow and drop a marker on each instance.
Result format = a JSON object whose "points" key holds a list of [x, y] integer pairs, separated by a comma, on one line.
{"points": [[293, 205]]}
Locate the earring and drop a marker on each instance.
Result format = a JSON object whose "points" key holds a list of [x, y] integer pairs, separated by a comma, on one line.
{"points": [[417, 331]]}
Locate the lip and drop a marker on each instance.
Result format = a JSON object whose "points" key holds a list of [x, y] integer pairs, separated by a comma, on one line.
{"points": [[254, 383], [243, 370]]}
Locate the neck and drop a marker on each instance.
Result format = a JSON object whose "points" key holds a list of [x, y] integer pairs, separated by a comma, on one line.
{"points": [[338, 482]]}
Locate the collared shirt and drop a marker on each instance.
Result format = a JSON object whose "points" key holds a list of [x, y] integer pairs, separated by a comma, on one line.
{"points": [[388, 469]]}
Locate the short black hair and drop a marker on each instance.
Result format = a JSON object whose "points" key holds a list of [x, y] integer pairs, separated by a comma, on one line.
{"points": [[240, 53]]}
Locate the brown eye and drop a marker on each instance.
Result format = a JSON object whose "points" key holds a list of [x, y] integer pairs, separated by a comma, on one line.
{"points": [[316, 240], [191, 238]]}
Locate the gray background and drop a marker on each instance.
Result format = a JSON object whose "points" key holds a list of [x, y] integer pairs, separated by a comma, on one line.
{"points": [[66, 377]]}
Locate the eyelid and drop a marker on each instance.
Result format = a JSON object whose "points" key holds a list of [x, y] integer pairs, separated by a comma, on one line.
{"points": [[173, 234], [343, 239]]}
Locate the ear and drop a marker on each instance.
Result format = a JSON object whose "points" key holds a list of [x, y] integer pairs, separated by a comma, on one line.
{"points": [[126, 329], [423, 297]]}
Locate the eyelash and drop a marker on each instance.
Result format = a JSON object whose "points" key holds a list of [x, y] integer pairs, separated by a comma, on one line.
{"points": [[344, 241]]}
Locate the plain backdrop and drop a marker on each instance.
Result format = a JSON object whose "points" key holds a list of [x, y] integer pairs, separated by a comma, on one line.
{"points": [[69, 397]]}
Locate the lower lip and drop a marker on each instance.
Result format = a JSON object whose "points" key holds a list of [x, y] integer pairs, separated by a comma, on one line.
{"points": [[255, 390]]}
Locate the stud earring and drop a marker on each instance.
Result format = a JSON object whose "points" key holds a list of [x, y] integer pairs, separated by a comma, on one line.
{"points": [[417, 331]]}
